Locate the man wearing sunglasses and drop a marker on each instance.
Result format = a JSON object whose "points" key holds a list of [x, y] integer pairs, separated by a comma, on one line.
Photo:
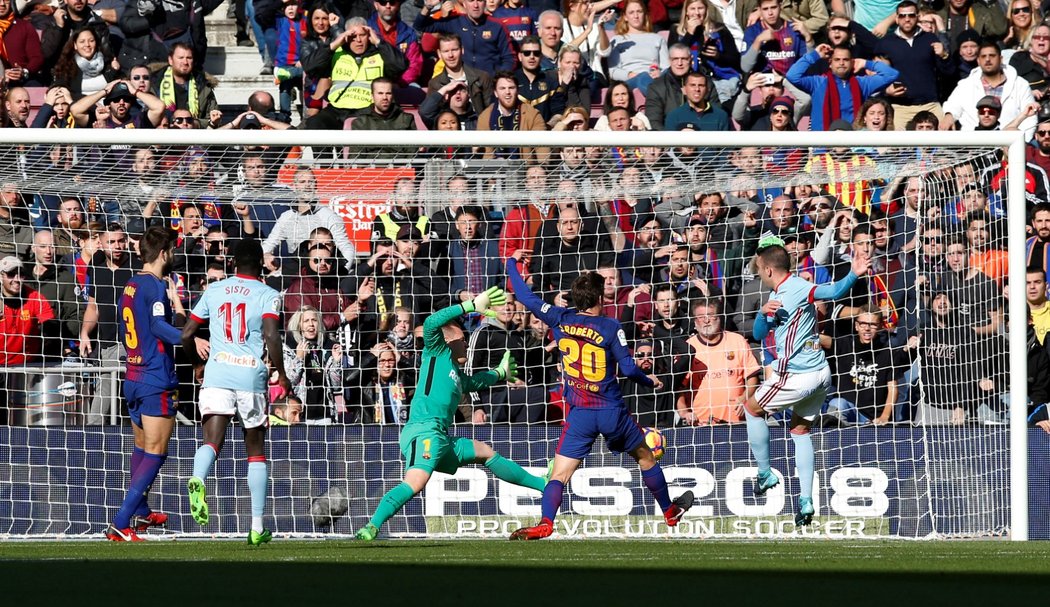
{"points": [[996, 80], [22, 315], [386, 22], [120, 97], [985, 17]]}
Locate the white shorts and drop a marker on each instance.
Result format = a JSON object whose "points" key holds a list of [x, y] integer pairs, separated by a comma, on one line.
{"points": [[249, 406], [803, 393]]}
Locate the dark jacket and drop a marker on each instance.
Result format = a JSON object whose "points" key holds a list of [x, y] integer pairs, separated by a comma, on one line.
{"points": [[396, 120], [917, 64], [60, 289], [149, 38], [663, 97], [478, 82], [486, 45], [491, 264], [319, 63], [206, 101]]}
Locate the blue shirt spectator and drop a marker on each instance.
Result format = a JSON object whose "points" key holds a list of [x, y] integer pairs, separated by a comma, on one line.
{"points": [[838, 94]]}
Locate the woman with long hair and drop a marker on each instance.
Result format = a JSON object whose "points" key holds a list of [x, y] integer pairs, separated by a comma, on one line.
{"points": [[82, 66], [311, 366], [584, 28], [711, 44], [619, 95], [638, 56], [875, 115], [322, 26]]}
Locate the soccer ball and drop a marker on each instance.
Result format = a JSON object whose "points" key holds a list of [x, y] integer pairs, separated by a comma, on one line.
{"points": [[655, 440]]}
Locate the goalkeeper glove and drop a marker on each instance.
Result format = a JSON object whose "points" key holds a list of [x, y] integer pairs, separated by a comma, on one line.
{"points": [[508, 368], [484, 301]]}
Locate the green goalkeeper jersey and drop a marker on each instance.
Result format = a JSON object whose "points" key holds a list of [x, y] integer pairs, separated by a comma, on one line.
{"points": [[441, 381]]}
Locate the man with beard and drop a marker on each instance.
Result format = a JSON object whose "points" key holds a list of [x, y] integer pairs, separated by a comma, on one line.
{"points": [[260, 195], [865, 371], [318, 288], [119, 96], [70, 219], [110, 269], [294, 226], [686, 278], [723, 372], [182, 86], [58, 286], [148, 307], [651, 407], [563, 261], [921, 58], [906, 219], [1015, 96], [141, 199], [510, 113], [697, 110], [387, 23], [838, 94], [1037, 247], [1039, 154], [18, 107], [975, 298]]}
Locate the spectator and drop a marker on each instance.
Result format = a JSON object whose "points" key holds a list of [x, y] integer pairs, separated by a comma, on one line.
{"points": [[181, 86], [876, 114], [920, 58], [73, 16], [584, 28], [1031, 64], [452, 98], [69, 220], [287, 64], [985, 252], [984, 18], [665, 93], [486, 47], [474, 259], [651, 407], [111, 267], [566, 259], [322, 27], [258, 201], [119, 97], [1037, 247], [637, 56], [1038, 311], [478, 81], [287, 411], [1013, 92], [838, 95], [58, 287], [83, 67], [704, 264], [780, 117], [549, 29], [723, 371], [772, 42], [310, 364], [352, 61], [387, 23], [16, 235], [770, 87], [152, 29], [25, 311], [382, 389], [20, 52], [384, 114], [619, 95], [533, 86], [698, 113], [405, 211], [865, 372], [1022, 24], [711, 46], [568, 82], [508, 403], [521, 226], [317, 287], [54, 113], [295, 226], [518, 20], [846, 172], [509, 113], [974, 297]]}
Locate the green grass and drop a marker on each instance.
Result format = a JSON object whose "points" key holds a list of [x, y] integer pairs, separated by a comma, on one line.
{"points": [[565, 573]]}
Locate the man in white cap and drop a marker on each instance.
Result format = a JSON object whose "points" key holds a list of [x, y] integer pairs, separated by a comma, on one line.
{"points": [[24, 311]]}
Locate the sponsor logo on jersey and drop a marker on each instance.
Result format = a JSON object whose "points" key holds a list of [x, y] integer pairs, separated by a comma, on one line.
{"points": [[158, 308], [622, 337], [246, 360]]}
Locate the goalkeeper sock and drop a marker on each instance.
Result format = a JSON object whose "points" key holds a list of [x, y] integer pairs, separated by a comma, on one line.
{"points": [[504, 469], [146, 473], [393, 501], [136, 459], [656, 482], [203, 460], [758, 438], [258, 479], [552, 495], [804, 463]]}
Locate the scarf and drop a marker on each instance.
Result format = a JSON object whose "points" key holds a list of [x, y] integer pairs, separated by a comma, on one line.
{"points": [[881, 293], [499, 122], [167, 93], [832, 103], [91, 68], [5, 24]]}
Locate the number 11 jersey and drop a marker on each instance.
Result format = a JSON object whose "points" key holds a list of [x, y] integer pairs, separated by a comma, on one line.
{"points": [[234, 308]]}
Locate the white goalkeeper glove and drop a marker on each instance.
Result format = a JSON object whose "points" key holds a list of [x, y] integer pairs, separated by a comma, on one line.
{"points": [[508, 368], [483, 302]]}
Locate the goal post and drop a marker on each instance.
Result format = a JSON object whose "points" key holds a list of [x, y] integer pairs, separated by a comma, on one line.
{"points": [[935, 479]]}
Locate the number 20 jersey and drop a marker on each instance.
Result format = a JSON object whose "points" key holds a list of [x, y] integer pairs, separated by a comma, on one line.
{"points": [[234, 309]]}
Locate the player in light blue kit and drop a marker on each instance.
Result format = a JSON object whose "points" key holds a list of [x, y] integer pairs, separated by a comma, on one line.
{"points": [[243, 313], [801, 377]]}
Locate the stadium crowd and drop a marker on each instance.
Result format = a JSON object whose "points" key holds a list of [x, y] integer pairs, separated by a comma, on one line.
{"points": [[675, 254]]}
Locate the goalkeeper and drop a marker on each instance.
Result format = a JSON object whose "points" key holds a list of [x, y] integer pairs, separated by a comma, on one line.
{"points": [[425, 442]]}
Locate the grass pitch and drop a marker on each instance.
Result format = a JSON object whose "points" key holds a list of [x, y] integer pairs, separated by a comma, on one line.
{"points": [[568, 573]]}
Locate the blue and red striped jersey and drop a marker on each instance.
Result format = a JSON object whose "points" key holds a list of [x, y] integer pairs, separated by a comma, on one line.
{"points": [[147, 333], [593, 349]]}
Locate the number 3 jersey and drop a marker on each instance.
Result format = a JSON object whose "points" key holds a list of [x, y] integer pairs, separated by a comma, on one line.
{"points": [[147, 333], [234, 309]]}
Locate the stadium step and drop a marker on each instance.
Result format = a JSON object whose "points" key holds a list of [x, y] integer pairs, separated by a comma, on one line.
{"points": [[237, 70]]}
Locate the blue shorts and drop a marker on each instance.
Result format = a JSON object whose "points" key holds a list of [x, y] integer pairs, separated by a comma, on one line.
{"points": [[583, 426], [149, 400]]}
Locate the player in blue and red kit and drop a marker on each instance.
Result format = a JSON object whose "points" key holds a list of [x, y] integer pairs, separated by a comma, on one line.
{"points": [[147, 332], [801, 378], [592, 347]]}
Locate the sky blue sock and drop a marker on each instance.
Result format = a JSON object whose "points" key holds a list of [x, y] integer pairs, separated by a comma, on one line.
{"points": [[758, 438], [552, 495], [657, 484], [258, 481], [140, 482], [804, 463], [136, 459], [203, 460]]}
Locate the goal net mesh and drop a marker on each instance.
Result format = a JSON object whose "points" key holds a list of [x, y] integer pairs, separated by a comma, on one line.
{"points": [[912, 442]]}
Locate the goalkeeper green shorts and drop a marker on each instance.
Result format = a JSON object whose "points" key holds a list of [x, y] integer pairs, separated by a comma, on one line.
{"points": [[430, 448]]}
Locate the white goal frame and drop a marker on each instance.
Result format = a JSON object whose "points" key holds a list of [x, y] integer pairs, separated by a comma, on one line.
{"points": [[1012, 141]]}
